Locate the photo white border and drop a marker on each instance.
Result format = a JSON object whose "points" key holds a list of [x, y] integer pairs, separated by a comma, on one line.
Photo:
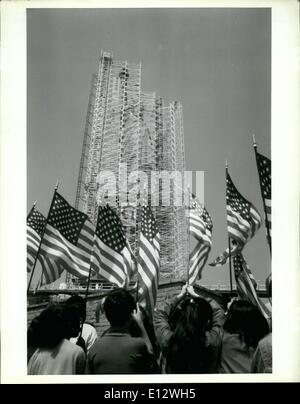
{"points": [[285, 192]]}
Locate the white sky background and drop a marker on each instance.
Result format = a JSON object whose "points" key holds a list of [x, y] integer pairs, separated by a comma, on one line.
{"points": [[216, 62]]}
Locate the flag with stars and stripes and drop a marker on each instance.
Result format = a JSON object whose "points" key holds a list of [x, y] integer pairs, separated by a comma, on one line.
{"points": [[246, 285], [35, 227], [51, 269], [68, 241], [111, 257], [222, 259], [200, 226], [243, 220], [264, 171], [148, 261]]}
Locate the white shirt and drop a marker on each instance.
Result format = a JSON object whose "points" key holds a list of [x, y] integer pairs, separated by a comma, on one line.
{"points": [[89, 334], [64, 359]]}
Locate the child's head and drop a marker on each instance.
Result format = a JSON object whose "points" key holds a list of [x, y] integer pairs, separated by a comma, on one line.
{"points": [[245, 319], [118, 307]]}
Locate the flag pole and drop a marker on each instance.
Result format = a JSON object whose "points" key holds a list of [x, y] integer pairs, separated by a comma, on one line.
{"points": [[89, 278], [188, 237], [230, 269], [144, 197], [261, 192], [137, 289], [229, 244], [88, 284], [136, 259], [42, 235]]}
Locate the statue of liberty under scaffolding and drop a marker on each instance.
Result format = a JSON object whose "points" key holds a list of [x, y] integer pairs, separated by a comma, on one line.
{"points": [[128, 131]]}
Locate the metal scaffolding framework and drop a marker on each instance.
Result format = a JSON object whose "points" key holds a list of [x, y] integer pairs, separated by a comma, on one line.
{"points": [[126, 127]]}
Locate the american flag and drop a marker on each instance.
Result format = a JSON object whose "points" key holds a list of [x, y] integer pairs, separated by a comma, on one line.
{"points": [[264, 170], [35, 227], [111, 257], [68, 241], [243, 221], [148, 261], [200, 225], [222, 259], [246, 285], [51, 269]]}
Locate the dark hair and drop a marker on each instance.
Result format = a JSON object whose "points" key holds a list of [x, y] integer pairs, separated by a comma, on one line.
{"points": [[245, 319], [32, 337], [78, 301], [32, 332], [187, 351], [71, 318], [56, 322], [118, 306], [269, 285], [48, 329]]}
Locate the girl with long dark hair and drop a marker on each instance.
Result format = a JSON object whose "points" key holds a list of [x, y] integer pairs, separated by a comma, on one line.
{"points": [[188, 333]]}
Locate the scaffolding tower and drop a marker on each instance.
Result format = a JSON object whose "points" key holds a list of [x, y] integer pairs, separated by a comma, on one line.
{"points": [[127, 127]]}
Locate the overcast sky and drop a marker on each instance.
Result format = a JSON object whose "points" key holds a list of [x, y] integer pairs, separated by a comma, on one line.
{"points": [[216, 62]]}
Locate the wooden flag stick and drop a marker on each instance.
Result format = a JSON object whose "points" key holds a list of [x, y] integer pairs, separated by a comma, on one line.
{"points": [[229, 246], [144, 199], [137, 290], [88, 283], [42, 235], [87, 287], [89, 277], [230, 269], [261, 192], [188, 236]]}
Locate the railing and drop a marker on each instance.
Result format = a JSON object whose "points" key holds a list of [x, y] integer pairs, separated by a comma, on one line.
{"points": [[218, 290]]}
